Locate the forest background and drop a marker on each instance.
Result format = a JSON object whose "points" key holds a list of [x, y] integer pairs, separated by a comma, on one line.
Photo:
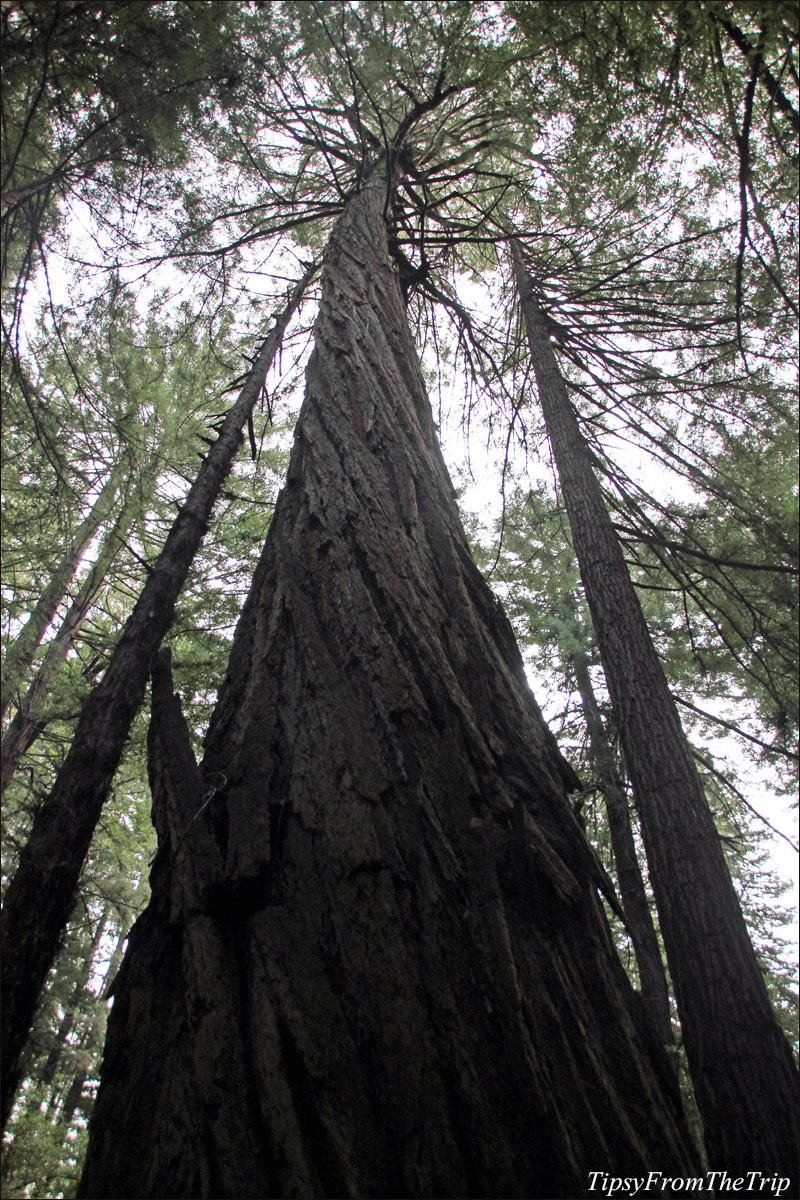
{"points": [[171, 170]]}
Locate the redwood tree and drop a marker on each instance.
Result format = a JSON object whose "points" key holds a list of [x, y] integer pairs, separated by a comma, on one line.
{"points": [[50, 862], [375, 962], [742, 1069], [638, 919]]}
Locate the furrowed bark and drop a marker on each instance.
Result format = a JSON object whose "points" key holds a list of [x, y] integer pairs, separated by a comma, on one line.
{"points": [[40, 895], [375, 962], [742, 1069], [639, 922]]}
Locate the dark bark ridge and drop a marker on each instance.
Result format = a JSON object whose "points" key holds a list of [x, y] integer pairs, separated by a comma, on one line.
{"points": [[39, 898], [375, 962], [741, 1065]]}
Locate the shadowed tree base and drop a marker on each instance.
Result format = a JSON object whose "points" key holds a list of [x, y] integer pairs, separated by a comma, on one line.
{"points": [[375, 963]]}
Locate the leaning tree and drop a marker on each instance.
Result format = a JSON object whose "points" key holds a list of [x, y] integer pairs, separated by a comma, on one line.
{"points": [[53, 855], [747, 1091]]}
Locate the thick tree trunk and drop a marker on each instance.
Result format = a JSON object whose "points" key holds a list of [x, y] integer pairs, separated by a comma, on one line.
{"points": [[638, 919], [22, 650], [29, 720], [40, 895], [741, 1065], [375, 962]]}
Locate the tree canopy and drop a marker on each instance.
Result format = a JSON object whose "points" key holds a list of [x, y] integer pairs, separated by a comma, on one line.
{"points": [[172, 169]]}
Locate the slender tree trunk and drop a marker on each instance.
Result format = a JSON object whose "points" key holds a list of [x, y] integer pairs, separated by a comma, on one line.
{"points": [[94, 1026], [92, 1036], [64, 1030], [21, 651], [73, 1004], [29, 720], [741, 1065], [753, 56], [90, 1043], [73, 1099], [40, 895], [374, 962], [652, 976]]}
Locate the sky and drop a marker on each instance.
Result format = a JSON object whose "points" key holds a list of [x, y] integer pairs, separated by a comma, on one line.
{"points": [[475, 461]]}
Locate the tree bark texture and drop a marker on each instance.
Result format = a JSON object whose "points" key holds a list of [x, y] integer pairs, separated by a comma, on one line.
{"points": [[638, 919], [375, 963], [41, 893], [741, 1065]]}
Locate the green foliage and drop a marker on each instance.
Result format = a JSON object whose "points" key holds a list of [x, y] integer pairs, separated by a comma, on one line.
{"points": [[45, 1140], [96, 94], [164, 162], [535, 575]]}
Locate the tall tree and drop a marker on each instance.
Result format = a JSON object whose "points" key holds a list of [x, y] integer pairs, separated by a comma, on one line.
{"points": [[652, 977], [51, 861], [745, 1079], [375, 961], [21, 652], [29, 719], [533, 570], [581, 118]]}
